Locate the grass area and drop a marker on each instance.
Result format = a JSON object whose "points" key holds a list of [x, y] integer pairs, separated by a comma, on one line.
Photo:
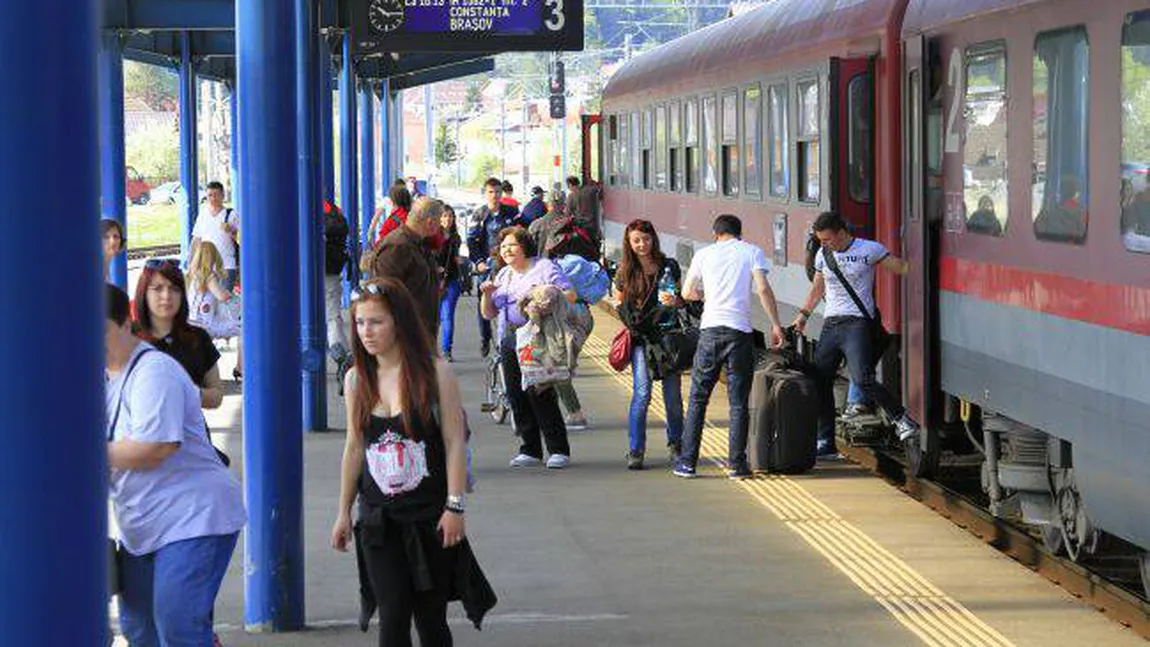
{"points": [[153, 224]]}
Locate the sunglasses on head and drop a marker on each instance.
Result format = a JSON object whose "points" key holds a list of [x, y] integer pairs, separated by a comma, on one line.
{"points": [[364, 289], [157, 263]]}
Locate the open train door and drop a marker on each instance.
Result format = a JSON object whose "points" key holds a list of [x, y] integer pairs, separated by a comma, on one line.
{"points": [[921, 387], [852, 115], [591, 148]]}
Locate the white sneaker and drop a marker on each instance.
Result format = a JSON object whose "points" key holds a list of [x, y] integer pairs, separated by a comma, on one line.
{"points": [[906, 428], [523, 460], [855, 411], [558, 461], [577, 424]]}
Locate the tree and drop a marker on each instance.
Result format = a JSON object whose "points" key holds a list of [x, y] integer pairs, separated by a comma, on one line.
{"points": [[474, 99], [156, 86], [154, 152], [446, 148]]}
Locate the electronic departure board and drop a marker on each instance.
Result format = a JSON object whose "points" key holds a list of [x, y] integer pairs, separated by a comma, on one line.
{"points": [[466, 25]]}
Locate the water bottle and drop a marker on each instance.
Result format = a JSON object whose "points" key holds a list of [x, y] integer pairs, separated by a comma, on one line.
{"points": [[666, 284]]}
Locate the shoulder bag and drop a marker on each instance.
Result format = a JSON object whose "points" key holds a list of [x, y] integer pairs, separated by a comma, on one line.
{"points": [[621, 345], [879, 337]]}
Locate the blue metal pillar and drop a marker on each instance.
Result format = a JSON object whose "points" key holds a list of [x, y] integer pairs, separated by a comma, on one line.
{"points": [[367, 162], [347, 158], [112, 163], [273, 448], [311, 228], [386, 175], [326, 121], [53, 502], [189, 157]]}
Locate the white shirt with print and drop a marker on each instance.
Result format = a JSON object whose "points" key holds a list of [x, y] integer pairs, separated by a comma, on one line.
{"points": [[857, 263], [208, 229], [725, 269]]}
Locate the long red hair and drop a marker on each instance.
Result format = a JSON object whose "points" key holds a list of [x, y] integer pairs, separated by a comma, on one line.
{"points": [[636, 286], [181, 329], [418, 389]]}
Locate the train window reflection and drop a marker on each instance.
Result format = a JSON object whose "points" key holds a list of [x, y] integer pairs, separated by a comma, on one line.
{"points": [[646, 156], [674, 156], [752, 142], [636, 163], [984, 149], [710, 147], [780, 183], [1134, 198], [730, 149], [623, 151], [859, 116], [1060, 184], [808, 141], [691, 147], [661, 147], [611, 158]]}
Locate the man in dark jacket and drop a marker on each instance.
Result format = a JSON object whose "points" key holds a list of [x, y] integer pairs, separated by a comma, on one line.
{"points": [[335, 232], [483, 242], [406, 255], [535, 208]]}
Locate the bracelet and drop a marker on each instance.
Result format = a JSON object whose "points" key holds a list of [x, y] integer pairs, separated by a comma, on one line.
{"points": [[805, 313], [454, 510], [456, 502]]}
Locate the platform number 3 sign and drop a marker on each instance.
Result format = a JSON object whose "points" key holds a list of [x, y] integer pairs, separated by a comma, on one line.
{"points": [[555, 19]]}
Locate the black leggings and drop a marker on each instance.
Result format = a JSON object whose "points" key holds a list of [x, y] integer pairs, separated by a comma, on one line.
{"points": [[391, 579]]}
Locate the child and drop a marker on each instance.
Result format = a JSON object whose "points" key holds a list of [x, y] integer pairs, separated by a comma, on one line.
{"points": [[211, 307]]}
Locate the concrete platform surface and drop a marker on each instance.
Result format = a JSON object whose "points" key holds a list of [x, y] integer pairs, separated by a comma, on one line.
{"points": [[597, 555]]}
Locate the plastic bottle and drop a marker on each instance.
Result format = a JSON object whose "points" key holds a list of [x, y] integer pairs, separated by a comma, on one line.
{"points": [[666, 284]]}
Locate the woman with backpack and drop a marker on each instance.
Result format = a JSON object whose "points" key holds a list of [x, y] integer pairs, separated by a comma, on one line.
{"points": [[648, 286], [448, 259]]}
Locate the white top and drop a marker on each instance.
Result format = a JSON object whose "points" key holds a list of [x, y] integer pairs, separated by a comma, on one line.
{"points": [[191, 494], [857, 264], [725, 269], [208, 228]]}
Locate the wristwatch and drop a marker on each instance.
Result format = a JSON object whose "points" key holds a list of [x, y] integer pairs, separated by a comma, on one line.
{"points": [[456, 503]]}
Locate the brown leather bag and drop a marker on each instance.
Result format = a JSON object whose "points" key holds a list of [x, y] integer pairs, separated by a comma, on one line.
{"points": [[620, 355]]}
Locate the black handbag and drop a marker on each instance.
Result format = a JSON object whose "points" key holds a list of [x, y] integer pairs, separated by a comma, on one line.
{"points": [[879, 338]]}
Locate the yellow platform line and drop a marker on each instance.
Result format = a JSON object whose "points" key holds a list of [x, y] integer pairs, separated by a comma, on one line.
{"points": [[914, 602]]}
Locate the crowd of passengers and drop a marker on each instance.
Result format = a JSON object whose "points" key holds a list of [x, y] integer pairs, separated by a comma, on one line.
{"points": [[179, 510]]}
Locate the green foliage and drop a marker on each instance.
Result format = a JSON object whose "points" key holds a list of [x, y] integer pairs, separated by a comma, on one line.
{"points": [[157, 87], [446, 148], [1135, 107], [484, 165], [474, 95], [154, 152]]}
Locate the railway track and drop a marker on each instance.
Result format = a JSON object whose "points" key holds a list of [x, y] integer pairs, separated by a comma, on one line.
{"points": [[137, 253], [1101, 592]]}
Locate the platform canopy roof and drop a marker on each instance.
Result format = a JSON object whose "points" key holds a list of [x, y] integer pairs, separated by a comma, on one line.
{"points": [[152, 31]]}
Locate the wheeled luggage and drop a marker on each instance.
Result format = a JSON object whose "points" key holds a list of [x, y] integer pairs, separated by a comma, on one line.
{"points": [[783, 419]]}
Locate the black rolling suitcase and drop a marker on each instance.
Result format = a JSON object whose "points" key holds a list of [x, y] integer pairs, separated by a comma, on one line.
{"points": [[783, 418]]}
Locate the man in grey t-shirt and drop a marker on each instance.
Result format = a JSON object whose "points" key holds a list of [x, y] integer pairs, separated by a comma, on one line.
{"points": [[847, 330]]}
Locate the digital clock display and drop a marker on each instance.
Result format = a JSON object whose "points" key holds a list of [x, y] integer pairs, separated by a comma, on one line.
{"points": [[466, 25]]}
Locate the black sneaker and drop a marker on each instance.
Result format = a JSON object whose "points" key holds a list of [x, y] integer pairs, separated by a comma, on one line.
{"points": [[740, 473], [485, 348], [635, 461], [684, 471]]}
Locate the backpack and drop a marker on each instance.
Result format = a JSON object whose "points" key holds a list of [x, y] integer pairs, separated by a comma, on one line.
{"points": [[335, 232], [590, 281], [568, 236]]}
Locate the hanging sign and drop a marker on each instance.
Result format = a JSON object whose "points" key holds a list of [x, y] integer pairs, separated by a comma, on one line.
{"points": [[379, 26]]}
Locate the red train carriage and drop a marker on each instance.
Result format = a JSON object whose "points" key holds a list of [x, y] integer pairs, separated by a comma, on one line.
{"points": [[1002, 147]]}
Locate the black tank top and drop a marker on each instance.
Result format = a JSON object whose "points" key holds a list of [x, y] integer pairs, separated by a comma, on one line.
{"points": [[413, 474]]}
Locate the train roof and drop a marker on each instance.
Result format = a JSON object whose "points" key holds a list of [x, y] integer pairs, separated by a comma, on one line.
{"points": [[925, 15], [750, 39]]}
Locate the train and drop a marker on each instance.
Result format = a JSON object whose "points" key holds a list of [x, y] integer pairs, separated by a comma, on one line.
{"points": [[1002, 148]]}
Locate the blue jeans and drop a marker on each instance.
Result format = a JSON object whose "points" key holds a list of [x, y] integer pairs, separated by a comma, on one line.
{"points": [[849, 338], [169, 595], [447, 314], [855, 394], [641, 384], [719, 347]]}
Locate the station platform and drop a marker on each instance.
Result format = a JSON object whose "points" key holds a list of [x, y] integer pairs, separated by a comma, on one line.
{"points": [[597, 555]]}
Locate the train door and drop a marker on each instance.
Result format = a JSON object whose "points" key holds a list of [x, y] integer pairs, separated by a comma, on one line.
{"points": [[852, 120], [591, 148], [922, 119]]}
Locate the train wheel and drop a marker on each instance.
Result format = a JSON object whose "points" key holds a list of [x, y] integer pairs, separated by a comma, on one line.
{"points": [[922, 462], [1079, 535]]}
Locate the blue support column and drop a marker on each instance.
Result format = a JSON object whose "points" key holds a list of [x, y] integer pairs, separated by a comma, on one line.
{"points": [[273, 447], [54, 487], [112, 163], [189, 158], [386, 174], [326, 121], [367, 162], [311, 229], [347, 158]]}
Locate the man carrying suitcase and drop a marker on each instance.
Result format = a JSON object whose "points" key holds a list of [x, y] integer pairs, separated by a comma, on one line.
{"points": [[852, 326], [722, 275]]}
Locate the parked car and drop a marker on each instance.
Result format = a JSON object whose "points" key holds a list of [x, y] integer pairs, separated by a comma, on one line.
{"points": [[137, 188], [171, 192], [1138, 173]]}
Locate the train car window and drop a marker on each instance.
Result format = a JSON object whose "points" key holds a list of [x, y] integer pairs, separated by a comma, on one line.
{"points": [[730, 149], [752, 142], [860, 117], [691, 146], [984, 179], [1135, 192], [661, 147], [1060, 184], [623, 151], [914, 141], [710, 147], [636, 161], [612, 152], [675, 143], [648, 116], [808, 141], [780, 181]]}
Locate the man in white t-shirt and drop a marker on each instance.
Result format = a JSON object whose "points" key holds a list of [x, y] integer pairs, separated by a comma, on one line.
{"points": [[722, 276], [219, 226], [847, 330]]}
